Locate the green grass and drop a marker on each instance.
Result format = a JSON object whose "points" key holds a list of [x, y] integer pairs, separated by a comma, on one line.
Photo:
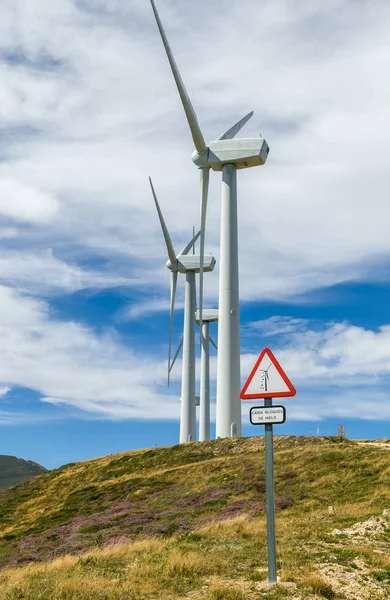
{"points": [[168, 522]]}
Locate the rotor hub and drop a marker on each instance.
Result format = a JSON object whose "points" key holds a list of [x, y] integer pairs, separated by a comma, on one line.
{"points": [[201, 160], [172, 266]]}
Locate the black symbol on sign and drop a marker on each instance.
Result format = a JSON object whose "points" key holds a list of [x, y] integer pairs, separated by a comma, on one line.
{"points": [[264, 378]]}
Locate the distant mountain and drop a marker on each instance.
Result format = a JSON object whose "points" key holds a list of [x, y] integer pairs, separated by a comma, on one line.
{"points": [[14, 470]]}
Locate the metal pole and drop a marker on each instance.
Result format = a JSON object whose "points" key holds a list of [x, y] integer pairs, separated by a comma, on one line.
{"points": [[228, 407], [188, 401], [204, 408], [270, 497]]}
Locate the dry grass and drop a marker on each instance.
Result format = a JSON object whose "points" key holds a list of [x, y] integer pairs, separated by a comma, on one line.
{"points": [[226, 593], [222, 559], [313, 584], [218, 561]]}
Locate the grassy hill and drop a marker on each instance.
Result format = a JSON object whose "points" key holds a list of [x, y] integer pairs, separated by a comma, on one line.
{"points": [[189, 522], [14, 470]]}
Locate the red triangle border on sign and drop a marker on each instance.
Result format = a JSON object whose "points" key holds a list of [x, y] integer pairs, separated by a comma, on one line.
{"points": [[291, 389]]}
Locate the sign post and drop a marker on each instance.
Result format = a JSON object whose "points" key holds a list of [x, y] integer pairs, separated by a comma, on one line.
{"points": [[341, 432], [270, 497], [267, 380]]}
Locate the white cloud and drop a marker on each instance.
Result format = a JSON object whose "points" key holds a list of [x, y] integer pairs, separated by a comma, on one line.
{"points": [[337, 351], [338, 369], [42, 273], [7, 233], [70, 364], [93, 109], [153, 306], [24, 203], [88, 110], [340, 351], [278, 325]]}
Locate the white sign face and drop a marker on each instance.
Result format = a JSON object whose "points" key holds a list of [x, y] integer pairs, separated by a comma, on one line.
{"points": [[267, 415], [267, 379]]}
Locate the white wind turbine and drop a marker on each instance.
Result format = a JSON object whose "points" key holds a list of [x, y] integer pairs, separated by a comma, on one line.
{"points": [[189, 264], [210, 315], [227, 155]]}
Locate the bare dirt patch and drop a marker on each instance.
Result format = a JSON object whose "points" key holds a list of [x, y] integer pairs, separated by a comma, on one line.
{"points": [[378, 444], [367, 530], [355, 584]]}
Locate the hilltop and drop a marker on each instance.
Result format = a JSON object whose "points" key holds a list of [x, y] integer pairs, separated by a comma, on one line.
{"points": [[14, 470], [188, 521]]}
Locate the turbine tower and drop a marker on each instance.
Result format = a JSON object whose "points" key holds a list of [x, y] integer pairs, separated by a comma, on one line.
{"points": [[189, 264], [227, 155], [209, 316]]}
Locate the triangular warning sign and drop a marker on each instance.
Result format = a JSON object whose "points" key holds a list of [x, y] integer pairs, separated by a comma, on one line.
{"points": [[267, 379]]}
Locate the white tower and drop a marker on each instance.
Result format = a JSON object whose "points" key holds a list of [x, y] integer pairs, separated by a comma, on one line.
{"points": [[188, 264], [209, 316], [225, 154]]}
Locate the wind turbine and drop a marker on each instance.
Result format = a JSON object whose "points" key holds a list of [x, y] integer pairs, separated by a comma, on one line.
{"points": [[188, 264], [209, 316], [227, 155], [265, 378]]}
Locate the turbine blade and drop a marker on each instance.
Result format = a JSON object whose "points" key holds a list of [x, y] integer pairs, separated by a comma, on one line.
{"points": [[171, 313], [232, 132], [167, 237], [192, 119], [213, 343], [176, 354], [190, 244], [204, 176]]}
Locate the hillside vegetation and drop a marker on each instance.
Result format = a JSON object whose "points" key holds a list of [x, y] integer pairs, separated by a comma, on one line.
{"points": [[14, 470], [189, 521]]}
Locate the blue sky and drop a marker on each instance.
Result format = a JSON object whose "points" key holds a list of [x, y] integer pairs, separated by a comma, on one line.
{"points": [[88, 110]]}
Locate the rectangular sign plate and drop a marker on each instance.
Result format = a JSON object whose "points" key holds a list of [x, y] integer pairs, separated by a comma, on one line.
{"points": [[267, 415]]}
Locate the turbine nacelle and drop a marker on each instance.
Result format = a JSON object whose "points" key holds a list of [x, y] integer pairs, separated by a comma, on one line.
{"points": [[191, 262], [241, 152], [209, 315]]}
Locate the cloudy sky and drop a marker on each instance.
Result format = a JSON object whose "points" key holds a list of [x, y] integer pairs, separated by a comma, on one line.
{"points": [[88, 109]]}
